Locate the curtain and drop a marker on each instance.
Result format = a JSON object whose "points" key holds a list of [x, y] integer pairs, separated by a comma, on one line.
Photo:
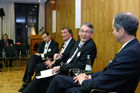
{"points": [[8, 19]]}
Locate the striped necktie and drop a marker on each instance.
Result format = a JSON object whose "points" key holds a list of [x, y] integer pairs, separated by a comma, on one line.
{"points": [[62, 49], [78, 47]]}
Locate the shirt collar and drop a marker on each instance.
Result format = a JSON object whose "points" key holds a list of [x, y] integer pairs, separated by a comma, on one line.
{"points": [[47, 44], [127, 43], [67, 42]]}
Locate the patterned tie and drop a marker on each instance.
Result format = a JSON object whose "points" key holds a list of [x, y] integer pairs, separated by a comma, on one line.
{"points": [[62, 49], [70, 59]]}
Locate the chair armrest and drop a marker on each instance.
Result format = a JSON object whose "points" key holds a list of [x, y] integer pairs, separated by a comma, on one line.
{"points": [[100, 91]]}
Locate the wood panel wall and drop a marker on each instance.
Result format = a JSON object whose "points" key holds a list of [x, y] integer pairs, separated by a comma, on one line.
{"points": [[100, 13], [65, 11], [49, 6], [65, 17]]}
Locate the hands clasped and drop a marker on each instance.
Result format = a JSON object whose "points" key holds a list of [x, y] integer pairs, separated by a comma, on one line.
{"points": [[81, 77]]}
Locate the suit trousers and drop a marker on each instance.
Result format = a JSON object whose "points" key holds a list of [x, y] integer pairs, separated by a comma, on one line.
{"points": [[63, 84], [38, 85], [31, 65]]}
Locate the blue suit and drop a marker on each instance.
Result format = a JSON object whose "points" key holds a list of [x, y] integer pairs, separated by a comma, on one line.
{"points": [[121, 75]]}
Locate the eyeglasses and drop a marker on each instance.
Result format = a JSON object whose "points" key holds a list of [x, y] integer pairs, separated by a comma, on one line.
{"points": [[85, 31]]}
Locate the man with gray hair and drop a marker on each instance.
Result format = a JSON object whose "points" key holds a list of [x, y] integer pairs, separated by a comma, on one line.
{"points": [[122, 73], [77, 59]]}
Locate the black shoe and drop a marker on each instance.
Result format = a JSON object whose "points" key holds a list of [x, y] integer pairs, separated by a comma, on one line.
{"points": [[24, 85], [27, 80]]}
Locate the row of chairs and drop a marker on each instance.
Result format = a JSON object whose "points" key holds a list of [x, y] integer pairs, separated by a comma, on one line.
{"points": [[13, 52]]}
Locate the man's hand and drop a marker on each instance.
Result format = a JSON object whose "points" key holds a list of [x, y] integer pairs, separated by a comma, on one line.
{"points": [[81, 77], [56, 69], [38, 54], [57, 56], [48, 63]]}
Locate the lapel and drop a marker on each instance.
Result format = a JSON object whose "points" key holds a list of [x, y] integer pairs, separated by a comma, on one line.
{"points": [[69, 45], [42, 47], [130, 43], [50, 46], [119, 54], [82, 49]]}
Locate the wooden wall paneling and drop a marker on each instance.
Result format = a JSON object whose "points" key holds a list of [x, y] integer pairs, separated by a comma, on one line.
{"points": [[65, 10], [49, 7], [102, 12]]}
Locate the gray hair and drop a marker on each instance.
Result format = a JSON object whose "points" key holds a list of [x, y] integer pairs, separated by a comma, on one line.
{"points": [[89, 25], [128, 21]]}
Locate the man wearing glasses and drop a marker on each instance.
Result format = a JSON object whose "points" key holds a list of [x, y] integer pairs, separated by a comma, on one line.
{"points": [[78, 57]]}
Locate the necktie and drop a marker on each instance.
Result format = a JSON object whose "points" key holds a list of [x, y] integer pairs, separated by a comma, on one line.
{"points": [[5, 43], [119, 50], [70, 59], [45, 50], [62, 49]]}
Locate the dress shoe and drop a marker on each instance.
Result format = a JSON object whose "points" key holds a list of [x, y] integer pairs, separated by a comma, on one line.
{"points": [[24, 85], [27, 80]]}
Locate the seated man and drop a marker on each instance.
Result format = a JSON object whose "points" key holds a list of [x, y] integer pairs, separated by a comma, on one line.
{"points": [[47, 48], [78, 57], [121, 74], [64, 53], [4, 43]]}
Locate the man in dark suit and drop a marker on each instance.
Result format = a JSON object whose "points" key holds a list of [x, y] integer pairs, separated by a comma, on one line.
{"points": [[47, 48], [121, 74], [78, 57], [4, 43], [64, 53]]}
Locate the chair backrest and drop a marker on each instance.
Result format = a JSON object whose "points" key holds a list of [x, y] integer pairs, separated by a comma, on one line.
{"points": [[10, 52], [103, 91], [23, 51]]}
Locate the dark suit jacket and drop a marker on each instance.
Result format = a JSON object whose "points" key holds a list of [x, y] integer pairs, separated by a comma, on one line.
{"points": [[2, 45], [79, 60], [121, 75], [53, 47], [66, 53]]}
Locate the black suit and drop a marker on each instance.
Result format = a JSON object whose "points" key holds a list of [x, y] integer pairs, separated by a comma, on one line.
{"points": [[66, 54], [34, 59], [78, 61], [2, 44], [121, 75]]}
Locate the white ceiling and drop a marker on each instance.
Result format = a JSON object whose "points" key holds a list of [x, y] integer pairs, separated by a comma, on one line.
{"points": [[25, 1]]}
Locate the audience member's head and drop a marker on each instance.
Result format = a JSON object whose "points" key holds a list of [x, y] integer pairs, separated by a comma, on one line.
{"points": [[5, 37], [86, 31], [66, 33], [125, 26], [46, 37]]}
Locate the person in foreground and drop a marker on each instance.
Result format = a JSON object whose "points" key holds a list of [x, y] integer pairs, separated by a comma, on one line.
{"points": [[121, 74], [77, 59]]}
